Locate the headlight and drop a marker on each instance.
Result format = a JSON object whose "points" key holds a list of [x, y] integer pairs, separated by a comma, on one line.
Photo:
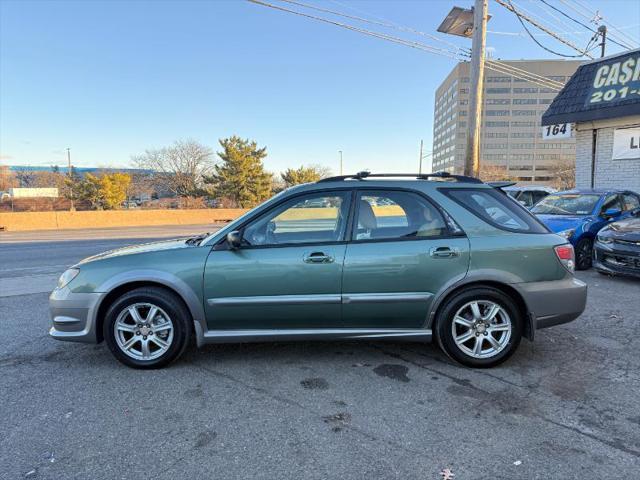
{"points": [[67, 276], [603, 239], [567, 233]]}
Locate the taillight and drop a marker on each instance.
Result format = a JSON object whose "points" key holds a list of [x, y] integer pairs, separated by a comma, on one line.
{"points": [[566, 255]]}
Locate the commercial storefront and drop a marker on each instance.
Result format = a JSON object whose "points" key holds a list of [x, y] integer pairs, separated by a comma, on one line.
{"points": [[602, 99]]}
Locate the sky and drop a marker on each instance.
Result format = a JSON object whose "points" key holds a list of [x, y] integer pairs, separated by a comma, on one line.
{"points": [[109, 79]]}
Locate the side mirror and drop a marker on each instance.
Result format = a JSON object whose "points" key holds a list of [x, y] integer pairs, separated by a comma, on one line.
{"points": [[611, 212], [234, 239]]}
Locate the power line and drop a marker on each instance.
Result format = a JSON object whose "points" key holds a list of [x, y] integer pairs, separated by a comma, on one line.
{"points": [[522, 17], [528, 73], [634, 42], [552, 23], [374, 22], [582, 24], [513, 71], [501, 68], [595, 17], [389, 38]]}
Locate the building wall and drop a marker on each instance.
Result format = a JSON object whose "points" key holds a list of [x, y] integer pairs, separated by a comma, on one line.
{"points": [[609, 173], [511, 128]]}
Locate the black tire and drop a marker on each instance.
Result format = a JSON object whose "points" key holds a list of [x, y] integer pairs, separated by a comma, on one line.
{"points": [[584, 254], [171, 305], [450, 308]]}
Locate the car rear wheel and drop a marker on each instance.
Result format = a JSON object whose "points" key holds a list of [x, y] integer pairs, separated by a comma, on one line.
{"points": [[479, 327], [147, 327], [584, 254]]}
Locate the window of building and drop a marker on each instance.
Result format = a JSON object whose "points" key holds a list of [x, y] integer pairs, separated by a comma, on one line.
{"points": [[496, 134], [498, 101], [498, 79], [545, 101], [525, 101], [523, 124], [525, 90], [497, 113], [496, 146], [499, 90], [522, 135], [496, 124], [523, 113], [464, 91], [522, 146]]}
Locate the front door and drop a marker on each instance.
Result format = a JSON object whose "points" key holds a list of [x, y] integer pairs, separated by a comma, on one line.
{"points": [[287, 273], [402, 252]]}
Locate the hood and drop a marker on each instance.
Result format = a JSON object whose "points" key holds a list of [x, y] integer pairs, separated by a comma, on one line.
{"points": [[628, 229], [142, 248], [558, 223]]}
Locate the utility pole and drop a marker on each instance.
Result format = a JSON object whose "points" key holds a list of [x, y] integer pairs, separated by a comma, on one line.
{"points": [[420, 164], [340, 152], [602, 30], [476, 88], [69, 174]]}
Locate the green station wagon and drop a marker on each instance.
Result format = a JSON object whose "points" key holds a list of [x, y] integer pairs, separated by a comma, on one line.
{"points": [[401, 257]]}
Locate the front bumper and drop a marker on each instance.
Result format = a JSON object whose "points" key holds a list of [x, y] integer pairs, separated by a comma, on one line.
{"points": [[73, 315], [617, 260], [555, 302]]}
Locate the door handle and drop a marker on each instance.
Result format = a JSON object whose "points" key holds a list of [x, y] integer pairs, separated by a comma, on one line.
{"points": [[443, 252], [317, 257]]}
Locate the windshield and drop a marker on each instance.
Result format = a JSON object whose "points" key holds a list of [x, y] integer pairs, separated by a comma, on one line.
{"points": [[567, 204]]}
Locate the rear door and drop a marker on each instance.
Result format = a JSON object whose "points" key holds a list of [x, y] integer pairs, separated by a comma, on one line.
{"points": [[401, 253]]}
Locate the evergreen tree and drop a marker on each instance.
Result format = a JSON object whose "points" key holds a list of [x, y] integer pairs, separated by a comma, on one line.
{"points": [[241, 176], [296, 176]]}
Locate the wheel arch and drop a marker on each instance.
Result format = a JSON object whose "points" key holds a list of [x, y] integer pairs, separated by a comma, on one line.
{"points": [[509, 290], [119, 285]]}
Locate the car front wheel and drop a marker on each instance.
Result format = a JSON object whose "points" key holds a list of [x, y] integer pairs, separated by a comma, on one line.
{"points": [[584, 254], [147, 327], [479, 327]]}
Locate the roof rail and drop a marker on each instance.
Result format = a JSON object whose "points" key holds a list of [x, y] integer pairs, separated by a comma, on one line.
{"points": [[420, 176]]}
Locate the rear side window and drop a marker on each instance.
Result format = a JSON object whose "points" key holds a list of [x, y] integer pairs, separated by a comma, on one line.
{"points": [[496, 209]]}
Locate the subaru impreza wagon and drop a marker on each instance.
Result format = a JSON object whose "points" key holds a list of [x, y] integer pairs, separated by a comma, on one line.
{"points": [[364, 256]]}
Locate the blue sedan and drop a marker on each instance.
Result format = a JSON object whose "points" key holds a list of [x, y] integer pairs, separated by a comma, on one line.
{"points": [[578, 215]]}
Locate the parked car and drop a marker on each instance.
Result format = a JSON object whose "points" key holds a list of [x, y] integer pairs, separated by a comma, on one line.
{"points": [[617, 247], [529, 195], [578, 216], [454, 260]]}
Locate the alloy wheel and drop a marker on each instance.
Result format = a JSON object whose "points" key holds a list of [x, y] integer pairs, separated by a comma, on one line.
{"points": [[143, 331], [481, 328]]}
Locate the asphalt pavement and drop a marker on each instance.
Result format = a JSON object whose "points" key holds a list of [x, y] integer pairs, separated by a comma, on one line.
{"points": [[564, 407]]}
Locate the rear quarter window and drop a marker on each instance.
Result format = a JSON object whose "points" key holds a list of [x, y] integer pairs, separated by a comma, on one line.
{"points": [[496, 208]]}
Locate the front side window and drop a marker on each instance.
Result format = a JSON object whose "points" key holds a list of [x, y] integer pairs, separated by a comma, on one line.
{"points": [[496, 209], [567, 204], [313, 218], [631, 201], [396, 215], [611, 201]]}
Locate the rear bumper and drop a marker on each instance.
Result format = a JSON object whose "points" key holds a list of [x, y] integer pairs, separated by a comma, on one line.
{"points": [[556, 302], [73, 315]]}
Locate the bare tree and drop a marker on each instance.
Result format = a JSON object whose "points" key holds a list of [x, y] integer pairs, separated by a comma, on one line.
{"points": [[494, 173], [178, 168], [7, 178], [563, 174]]}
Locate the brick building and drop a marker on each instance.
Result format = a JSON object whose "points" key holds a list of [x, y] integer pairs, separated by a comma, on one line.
{"points": [[603, 100]]}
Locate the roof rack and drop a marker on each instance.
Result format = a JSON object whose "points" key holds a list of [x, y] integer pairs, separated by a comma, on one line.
{"points": [[419, 176]]}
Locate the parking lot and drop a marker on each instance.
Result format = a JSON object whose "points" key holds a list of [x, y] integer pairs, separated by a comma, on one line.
{"points": [[565, 406]]}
